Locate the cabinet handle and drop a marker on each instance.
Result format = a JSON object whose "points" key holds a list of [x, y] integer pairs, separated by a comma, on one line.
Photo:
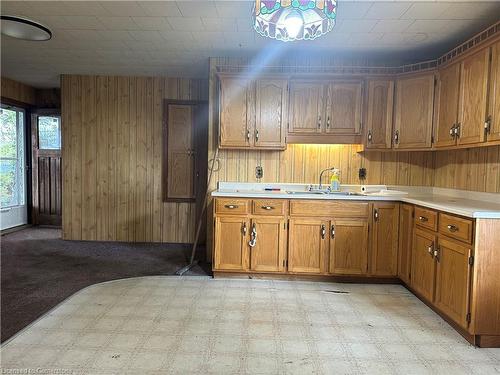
{"points": [[332, 231], [452, 130], [452, 228], [231, 206], [430, 250], [244, 229], [457, 130], [370, 137], [436, 253], [253, 236], [423, 219], [319, 122], [396, 137], [323, 231], [328, 122], [267, 208], [487, 125], [256, 136], [375, 214], [248, 134]]}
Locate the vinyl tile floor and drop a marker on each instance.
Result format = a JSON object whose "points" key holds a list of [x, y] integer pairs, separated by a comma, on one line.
{"points": [[199, 325]]}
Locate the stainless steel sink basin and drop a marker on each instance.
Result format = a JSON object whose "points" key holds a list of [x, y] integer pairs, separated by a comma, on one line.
{"points": [[324, 192]]}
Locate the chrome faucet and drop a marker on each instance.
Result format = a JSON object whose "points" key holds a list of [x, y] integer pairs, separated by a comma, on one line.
{"points": [[321, 175]]}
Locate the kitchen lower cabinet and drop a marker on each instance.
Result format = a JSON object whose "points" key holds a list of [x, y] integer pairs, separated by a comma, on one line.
{"points": [[423, 264], [231, 235], [267, 243], [308, 243], [453, 280], [406, 212], [384, 239], [348, 247]]}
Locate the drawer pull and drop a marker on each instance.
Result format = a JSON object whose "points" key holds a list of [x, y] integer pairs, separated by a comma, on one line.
{"points": [[452, 228], [423, 219], [231, 206], [267, 208]]}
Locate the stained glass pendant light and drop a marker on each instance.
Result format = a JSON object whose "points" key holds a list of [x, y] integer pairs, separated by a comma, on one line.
{"points": [[289, 20]]}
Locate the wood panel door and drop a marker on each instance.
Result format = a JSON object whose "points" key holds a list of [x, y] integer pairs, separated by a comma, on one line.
{"points": [[268, 237], [423, 268], [384, 241], [306, 107], [453, 280], [379, 109], [271, 112], [406, 213], [180, 152], [473, 98], [308, 245], [348, 247], [230, 247], [446, 117], [413, 112], [235, 112], [493, 118], [47, 173], [343, 107]]}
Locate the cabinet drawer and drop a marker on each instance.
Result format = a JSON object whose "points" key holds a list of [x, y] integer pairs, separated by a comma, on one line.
{"points": [[316, 208], [426, 218], [231, 206], [269, 207], [456, 227]]}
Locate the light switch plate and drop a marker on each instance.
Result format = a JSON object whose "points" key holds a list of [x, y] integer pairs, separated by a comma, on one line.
{"points": [[259, 172]]}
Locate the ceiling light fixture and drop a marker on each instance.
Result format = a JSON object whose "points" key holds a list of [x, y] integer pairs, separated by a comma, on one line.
{"points": [[289, 20], [23, 28]]}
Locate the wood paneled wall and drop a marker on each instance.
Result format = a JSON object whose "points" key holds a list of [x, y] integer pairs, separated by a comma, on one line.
{"points": [[17, 91], [112, 146]]}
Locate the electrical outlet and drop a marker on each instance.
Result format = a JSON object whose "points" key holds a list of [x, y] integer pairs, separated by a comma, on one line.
{"points": [[259, 172], [362, 173]]}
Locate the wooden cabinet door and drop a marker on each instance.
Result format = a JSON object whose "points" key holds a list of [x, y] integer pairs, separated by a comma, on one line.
{"points": [[473, 98], [308, 245], [268, 234], [306, 107], [231, 249], [384, 241], [235, 112], [271, 113], [493, 118], [405, 242], [423, 268], [348, 247], [343, 107], [379, 108], [447, 105], [413, 112], [453, 280]]}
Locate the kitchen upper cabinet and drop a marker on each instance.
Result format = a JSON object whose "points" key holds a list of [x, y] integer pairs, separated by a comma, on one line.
{"points": [[413, 112], [423, 265], [349, 247], [308, 244], [473, 98], [384, 241], [235, 112], [306, 107], [343, 107], [252, 113], [447, 105], [379, 108], [406, 213], [453, 280], [271, 113], [267, 242], [493, 118], [231, 236]]}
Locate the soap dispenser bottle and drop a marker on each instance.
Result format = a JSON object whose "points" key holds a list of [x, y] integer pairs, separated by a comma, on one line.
{"points": [[335, 180]]}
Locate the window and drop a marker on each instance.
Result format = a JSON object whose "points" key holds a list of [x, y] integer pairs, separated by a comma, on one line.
{"points": [[49, 132], [12, 171]]}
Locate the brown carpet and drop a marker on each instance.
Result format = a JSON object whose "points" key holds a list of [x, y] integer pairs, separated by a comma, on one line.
{"points": [[39, 270]]}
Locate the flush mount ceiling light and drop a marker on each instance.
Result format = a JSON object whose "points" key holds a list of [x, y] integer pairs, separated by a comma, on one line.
{"points": [[289, 20], [23, 28]]}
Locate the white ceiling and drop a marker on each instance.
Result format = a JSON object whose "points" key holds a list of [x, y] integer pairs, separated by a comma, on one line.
{"points": [[175, 38]]}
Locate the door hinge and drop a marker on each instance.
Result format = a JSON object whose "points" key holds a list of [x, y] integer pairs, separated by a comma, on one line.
{"points": [[468, 317], [471, 260]]}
